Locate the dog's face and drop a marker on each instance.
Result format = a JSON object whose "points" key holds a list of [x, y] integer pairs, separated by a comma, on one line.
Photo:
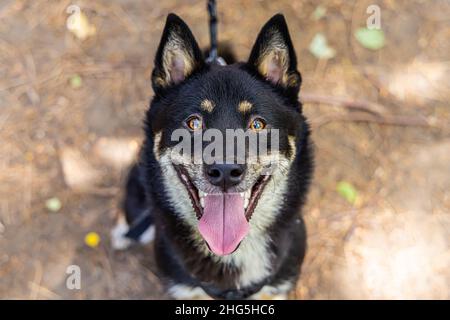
{"points": [[233, 188]]}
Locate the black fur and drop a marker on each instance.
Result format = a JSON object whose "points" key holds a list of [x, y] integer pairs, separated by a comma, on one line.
{"points": [[178, 259]]}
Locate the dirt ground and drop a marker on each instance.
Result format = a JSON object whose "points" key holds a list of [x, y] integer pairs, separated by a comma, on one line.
{"points": [[70, 123]]}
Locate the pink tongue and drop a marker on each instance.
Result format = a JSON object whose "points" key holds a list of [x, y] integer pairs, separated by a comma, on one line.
{"points": [[223, 224]]}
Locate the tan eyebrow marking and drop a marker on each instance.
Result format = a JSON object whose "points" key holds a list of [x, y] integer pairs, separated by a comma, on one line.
{"points": [[207, 105], [244, 106]]}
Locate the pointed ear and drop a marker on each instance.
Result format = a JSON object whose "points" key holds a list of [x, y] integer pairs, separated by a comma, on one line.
{"points": [[178, 54], [273, 55]]}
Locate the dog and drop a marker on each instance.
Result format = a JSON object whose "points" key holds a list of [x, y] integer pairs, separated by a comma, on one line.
{"points": [[222, 230]]}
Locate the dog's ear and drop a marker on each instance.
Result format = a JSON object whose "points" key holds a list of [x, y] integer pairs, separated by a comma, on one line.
{"points": [[273, 55], [178, 54]]}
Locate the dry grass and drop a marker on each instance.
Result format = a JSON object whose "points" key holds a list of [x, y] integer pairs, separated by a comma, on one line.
{"points": [[392, 243]]}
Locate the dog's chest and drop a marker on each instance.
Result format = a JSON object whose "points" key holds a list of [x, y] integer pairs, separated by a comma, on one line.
{"points": [[252, 260]]}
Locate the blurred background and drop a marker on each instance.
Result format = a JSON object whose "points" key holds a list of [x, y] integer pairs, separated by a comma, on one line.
{"points": [[74, 86]]}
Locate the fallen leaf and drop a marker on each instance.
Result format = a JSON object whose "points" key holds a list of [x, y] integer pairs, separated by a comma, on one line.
{"points": [[319, 12], [347, 191], [53, 204], [78, 23], [372, 39], [75, 81], [319, 47]]}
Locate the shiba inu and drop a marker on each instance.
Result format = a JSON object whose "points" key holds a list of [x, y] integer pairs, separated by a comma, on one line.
{"points": [[222, 229]]}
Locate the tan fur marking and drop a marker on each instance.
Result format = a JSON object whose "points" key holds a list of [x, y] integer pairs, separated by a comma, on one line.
{"points": [[292, 80], [172, 50], [244, 106], [292, 144], [276, 53], [207, 105], [277, 56], [156, 142]]}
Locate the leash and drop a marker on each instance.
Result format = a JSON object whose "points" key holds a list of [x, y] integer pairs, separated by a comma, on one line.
{"points": [[139, 226], [213, 52]]}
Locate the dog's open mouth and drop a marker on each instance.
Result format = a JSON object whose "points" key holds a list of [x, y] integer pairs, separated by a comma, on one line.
{"points": [[223, 217]]}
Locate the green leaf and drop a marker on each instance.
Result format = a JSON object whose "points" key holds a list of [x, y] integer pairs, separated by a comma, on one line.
{"points": [[372, 39], [319, 12], [319, 47], [53, 204], [76, 81], [347, 191]]}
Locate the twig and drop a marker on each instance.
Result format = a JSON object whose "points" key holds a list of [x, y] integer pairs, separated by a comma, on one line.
{"points": [[374, 112], [350, 103], [405, 121]]}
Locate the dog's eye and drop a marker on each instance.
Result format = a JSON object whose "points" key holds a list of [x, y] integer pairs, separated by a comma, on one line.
{"points": [[257, 124], [194, 123]]}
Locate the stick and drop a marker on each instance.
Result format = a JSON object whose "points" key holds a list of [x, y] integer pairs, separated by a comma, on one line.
{"points": [[405, 121], [350, 103]]}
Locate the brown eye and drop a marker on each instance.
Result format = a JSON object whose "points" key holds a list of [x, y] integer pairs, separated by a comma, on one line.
{"points": [[194, 123], [257, 124]]}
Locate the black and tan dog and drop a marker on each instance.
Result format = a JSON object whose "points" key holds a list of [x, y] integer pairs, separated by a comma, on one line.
{"points": [[222, 230]]}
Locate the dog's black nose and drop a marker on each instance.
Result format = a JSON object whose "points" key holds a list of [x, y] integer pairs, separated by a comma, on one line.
{"points": [[225, 175]]}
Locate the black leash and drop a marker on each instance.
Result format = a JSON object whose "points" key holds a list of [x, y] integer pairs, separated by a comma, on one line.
{"points": [[212, 11], [213, 52], [139, 226]]}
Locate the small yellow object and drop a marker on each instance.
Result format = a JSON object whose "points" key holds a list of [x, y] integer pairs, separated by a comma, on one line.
{"points": [[92, 239], [29, 156]]}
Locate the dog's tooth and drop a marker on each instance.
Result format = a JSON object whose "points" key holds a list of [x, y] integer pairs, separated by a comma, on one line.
{"points": [[202, 202], [248, 194], [201, 193], [242, 194], [246, 202]]}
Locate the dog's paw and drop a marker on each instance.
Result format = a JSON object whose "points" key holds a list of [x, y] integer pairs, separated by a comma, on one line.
{"points": [[184, 292], [119, 241]]}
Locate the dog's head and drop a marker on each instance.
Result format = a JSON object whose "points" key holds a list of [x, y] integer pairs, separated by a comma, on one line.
{"points": [[230, 189]]}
